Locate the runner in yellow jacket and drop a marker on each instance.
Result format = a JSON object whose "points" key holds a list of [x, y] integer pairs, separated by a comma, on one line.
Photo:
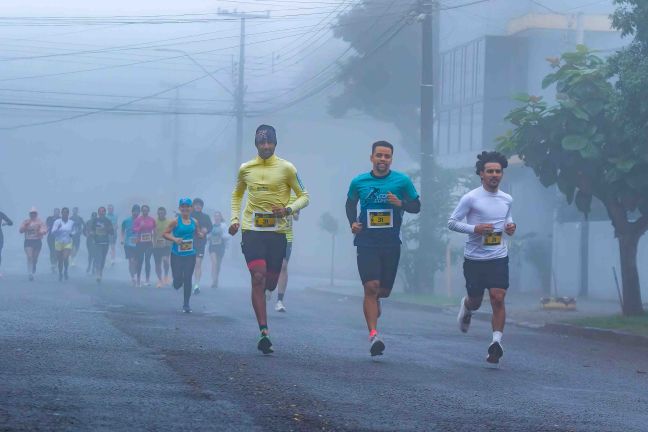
{"points": [[268, 181]]}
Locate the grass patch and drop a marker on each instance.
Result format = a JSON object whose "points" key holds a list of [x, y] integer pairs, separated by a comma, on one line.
{"points": [[633, 324], [425, 299]]}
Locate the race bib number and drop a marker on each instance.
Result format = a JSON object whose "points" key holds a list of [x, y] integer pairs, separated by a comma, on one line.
{"points": [[493, 239], [186, 246], [146, 237], [32, 234], [380, 218], [100, 231], [265, 221]]}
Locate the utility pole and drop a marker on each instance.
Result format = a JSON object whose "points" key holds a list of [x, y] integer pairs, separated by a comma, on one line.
{"points": [[429, 46], [239, 103]]}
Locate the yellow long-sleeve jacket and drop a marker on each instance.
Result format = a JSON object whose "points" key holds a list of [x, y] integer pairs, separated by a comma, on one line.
{"points": [[268, 183]]}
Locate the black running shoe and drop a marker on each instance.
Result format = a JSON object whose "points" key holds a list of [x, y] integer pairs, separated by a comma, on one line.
{"points": [[495, 353], [377, 346], [264, 345]]}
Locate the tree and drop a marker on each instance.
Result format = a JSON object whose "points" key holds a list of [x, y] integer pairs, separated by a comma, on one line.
{"points": [[581, 143], [382, 82], [329, 224]]}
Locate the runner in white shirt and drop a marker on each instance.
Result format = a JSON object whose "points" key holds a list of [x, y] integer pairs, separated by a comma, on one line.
{"points": [[63, 231], [485, 215]]}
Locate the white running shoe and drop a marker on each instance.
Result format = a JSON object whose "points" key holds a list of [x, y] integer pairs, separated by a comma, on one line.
{"points": [[279, 307], [464, 317], [196, 289]]}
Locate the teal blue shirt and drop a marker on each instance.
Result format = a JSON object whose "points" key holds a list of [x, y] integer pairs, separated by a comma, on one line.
{"points": [[381, 220], [186, 233]]}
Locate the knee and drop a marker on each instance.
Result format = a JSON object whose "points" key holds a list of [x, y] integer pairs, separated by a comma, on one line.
{"points": [[371, 289], [258, 277], [497, 298], [474, 303]]}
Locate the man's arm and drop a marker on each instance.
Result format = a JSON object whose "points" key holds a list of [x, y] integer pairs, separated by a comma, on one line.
{"points": [[351, 207], [237, 198], [297, 186], [456, 222]]}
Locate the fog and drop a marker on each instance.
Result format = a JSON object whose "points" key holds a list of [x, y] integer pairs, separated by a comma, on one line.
{"points": [[95, 97]]}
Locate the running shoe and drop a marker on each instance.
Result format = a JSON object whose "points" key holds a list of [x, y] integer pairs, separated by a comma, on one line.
{"points": [[495, 353], [264, 345], [377, 345], [279, 307], [196, 289], [464, 317], [214, 285], [186, 309], [147, 284]]}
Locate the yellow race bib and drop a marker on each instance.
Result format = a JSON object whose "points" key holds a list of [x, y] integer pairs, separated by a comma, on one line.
{"points": [[186, 246], [493, 239], [265, 221], [380, 218]]}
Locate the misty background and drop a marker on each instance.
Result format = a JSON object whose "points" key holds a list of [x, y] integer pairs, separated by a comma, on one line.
{"points": [[95, 97]]}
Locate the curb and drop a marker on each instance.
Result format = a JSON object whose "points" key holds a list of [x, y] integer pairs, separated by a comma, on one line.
{"points": [[594, 333], [597, 334]]}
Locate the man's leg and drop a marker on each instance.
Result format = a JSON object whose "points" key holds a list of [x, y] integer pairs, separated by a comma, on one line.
{"points": [[497, 296], [258, 273], [198, 270], [370, 304]]}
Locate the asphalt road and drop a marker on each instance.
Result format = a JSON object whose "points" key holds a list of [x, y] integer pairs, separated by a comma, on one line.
{"points": [[77, 356]]}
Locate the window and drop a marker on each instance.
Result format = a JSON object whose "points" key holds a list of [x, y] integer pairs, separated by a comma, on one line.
{"points": [[466, 129]]}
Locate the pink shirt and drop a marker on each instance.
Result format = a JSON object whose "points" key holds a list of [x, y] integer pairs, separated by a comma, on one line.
{"points": [[144, 226]]}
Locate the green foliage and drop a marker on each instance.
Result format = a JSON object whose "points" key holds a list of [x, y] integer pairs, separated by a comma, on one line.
{"points": [[580, 142], [384, 85], [329, 224]]}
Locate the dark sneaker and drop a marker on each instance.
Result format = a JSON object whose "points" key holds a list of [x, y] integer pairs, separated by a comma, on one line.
{"points": [[377, 346], [264, 345], [495, 353]]}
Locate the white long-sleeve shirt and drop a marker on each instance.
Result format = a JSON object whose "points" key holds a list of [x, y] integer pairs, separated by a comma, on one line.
{"points": [[482, 207]]}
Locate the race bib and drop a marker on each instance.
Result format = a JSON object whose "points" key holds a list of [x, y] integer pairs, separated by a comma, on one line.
{"points": [[493, 239], [146, 237], [32, 234], [265, 221], [216, 240], [100, 231], [380, 218], [161, 242], [186, 246]]}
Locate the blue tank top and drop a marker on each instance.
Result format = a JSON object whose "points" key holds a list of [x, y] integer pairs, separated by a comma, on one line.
{"points": [[186, 233]]}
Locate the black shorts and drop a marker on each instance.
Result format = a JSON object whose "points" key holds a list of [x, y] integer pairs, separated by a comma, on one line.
{"points": [[379, 263], [35, 244], [483, 275], [288, 251], [130, 252], [199, 246], [264, 247]]}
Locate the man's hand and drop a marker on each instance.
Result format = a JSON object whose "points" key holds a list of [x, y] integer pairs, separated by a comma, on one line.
{"points": [[280, 211], [393, 200], [177, 240], [233, 229], [510, 228], [356, 227], [484, 228]]}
